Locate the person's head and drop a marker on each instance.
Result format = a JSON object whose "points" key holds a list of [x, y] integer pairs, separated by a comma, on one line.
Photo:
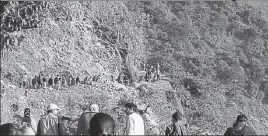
{"points": [[177, 116], [241, 118], [94, 107], [10, 129], [27, 112], [130, 108], [102, 123], [53, 108]]}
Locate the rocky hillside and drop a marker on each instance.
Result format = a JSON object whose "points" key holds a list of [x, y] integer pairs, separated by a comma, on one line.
{"points": [[213, 55]]}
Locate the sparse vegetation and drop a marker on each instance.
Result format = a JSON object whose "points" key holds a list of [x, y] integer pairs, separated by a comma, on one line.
{"points": [[213, 56]]}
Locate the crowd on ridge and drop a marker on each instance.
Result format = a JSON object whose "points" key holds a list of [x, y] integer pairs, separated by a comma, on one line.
{"points": [[93, 122], [61, 81]]}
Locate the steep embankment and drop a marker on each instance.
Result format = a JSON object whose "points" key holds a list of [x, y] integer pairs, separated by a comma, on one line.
{"points": [[215, 61]]}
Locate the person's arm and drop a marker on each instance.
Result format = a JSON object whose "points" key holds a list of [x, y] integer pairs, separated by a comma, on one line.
{"points": [[168, 131], [38, 128], [131, 126], [60, 127], [78, 131], [127, 126], [227, 132], [34, 124]]}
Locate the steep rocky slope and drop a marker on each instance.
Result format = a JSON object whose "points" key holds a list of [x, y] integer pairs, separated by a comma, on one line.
{"points": [[213, 79]]}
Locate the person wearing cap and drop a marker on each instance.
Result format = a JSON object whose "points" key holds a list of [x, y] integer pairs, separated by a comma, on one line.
{"points": [[50, 124], [84, 120], [240, 127], [135, 123]]}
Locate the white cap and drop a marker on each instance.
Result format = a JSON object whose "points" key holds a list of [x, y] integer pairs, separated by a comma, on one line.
{"points": [[53, 106], [94, 107]]}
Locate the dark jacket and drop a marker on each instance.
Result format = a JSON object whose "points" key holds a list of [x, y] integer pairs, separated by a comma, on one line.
{"points": [[49, 125], [84, 123], [239, 129], [176, 130], [50, 81]]}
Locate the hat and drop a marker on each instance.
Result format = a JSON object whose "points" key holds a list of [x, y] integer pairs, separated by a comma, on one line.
{"points": [[241, 118], [53, 106], [94, 107]]}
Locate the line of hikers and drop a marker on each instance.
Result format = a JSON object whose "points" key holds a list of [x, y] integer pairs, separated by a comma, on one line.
{"points": [[93, 122], [151, 74], [58, 82]]}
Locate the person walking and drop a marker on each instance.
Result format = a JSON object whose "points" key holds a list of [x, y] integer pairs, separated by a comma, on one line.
{"points": [[135, 123], [240, 127], [50, 124], [102, 124], [29, 122], [84, 120], [177, 128], [34, 82]]}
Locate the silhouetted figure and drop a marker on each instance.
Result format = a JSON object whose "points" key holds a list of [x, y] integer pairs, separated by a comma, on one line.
{"points": [[10, 129], [59, 83], [240, 127], [178, 128], [102, 124], [23, 81], [126, 79], [73, 81], [77, 80], [44, 81], [148, 75], [34, 82], [39, 81], [94, 78], [112, 78], [84, 120], [158, 72], [98, 78], [69, 80], [85, 80], [120, 79], [64, 82], [29, 121], [50, 82], [56, 80]]}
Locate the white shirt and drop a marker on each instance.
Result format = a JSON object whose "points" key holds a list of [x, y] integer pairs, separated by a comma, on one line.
{"points": [[135, 124]]}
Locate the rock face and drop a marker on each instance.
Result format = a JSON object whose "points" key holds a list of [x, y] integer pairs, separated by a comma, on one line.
{"points": [[209, 76]]}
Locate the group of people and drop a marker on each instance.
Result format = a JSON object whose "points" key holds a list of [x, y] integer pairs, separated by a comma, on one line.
{"points": [[152, 73], [91, 122], [22, 17], [94, 122], [41, 81], [58, 82]]}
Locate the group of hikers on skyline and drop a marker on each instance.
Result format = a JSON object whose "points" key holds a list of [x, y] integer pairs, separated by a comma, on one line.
{"points": [[61, 81], [93, 122], [42, 81]]}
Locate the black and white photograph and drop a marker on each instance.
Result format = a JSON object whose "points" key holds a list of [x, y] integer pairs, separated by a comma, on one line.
{"points": [[171, 68]]}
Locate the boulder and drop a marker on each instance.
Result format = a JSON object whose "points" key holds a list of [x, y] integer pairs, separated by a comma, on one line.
{"points": [[120, 87]]}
